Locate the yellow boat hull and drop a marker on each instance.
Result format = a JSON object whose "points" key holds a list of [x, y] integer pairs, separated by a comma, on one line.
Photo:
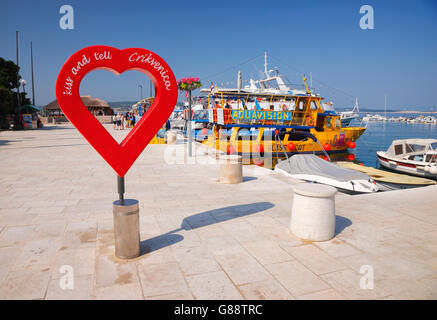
{"points": [[254, 150]]}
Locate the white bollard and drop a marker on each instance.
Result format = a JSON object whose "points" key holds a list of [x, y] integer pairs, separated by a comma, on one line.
{"points": [[171, 137], [313, 211], [231, 169]]}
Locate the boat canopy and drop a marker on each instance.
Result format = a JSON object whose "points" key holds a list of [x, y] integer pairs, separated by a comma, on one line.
{"points": [[311, 164], [400, 148]]}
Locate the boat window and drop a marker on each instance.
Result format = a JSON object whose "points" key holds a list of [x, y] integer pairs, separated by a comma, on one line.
{"points": [[414, 147], [302, 104], [313, 105], [398, 149], [328, 122], [434, 146], [431, 158], [338, 123], [416, 157]]}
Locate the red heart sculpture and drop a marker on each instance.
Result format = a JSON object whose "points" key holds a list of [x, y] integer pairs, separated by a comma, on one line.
{"points": [[119, 156]]}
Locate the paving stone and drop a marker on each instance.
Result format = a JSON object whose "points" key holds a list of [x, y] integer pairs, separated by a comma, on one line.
{"points": [[265, 290], [241, 267], [212, 286], [82, 290], [347, 283], [266, 251], [315, 259], [329, 294], [26, 285], [130, 291], [297, 279], [160, 279]]}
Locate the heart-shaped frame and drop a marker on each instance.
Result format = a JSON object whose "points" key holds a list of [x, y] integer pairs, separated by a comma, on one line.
{"points": [[119, 156]]}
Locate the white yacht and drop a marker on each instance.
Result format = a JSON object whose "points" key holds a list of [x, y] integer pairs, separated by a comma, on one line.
{"points": [[347, 116], [374, 117]]}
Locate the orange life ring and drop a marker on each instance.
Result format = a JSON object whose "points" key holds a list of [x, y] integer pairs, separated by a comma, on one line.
{"points": [[309, 121], [284, 107]]}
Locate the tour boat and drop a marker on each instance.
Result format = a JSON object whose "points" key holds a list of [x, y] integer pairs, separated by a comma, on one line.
{"points": [[262, 127], [413, 156]]}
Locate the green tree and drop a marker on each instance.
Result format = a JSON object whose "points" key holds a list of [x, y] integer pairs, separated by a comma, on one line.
{"points": [[9, 81]]}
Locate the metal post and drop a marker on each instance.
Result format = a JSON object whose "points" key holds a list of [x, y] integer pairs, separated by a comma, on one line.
{"points": [[120, 188], [18, 88], [31, 65], [126, 224], [189, 124], [141, 87]]}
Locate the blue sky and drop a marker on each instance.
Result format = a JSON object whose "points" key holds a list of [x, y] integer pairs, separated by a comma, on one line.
{"points": [[207, 38]]}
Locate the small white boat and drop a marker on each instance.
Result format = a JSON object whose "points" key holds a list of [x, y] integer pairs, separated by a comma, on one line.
{"points": [[387, 180], [347, 116], [311, 168], [376, 117], [413, 156]]}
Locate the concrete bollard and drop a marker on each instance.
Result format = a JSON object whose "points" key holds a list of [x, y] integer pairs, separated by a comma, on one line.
{"points": [[231, 169], [126, 229], [313, 212], [171, 137]]}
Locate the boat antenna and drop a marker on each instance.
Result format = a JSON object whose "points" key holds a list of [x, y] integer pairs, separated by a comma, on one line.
{"points": [[306, 85], [266, 72]]}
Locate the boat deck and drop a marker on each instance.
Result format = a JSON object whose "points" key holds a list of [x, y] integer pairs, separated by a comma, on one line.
{"points": [[200, 239]]}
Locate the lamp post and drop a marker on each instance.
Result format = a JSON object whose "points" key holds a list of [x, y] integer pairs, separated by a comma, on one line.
{"points": [[189, 84], [23, 83], [141, 87]]}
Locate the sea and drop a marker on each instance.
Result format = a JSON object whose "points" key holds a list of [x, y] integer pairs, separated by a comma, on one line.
{"points": [[379, 136]]}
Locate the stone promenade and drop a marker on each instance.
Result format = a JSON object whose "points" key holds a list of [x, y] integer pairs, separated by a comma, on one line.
{"points": [[200, 239]]}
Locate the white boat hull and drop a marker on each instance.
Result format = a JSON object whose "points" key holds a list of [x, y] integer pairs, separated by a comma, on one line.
{"points": [[404, 167], [351, 186]]}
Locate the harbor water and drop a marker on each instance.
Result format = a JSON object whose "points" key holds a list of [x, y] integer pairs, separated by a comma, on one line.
{"points": [[379, 135]]}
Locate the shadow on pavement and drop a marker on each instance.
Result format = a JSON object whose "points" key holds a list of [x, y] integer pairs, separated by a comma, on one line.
{"points": [[202, 219]]}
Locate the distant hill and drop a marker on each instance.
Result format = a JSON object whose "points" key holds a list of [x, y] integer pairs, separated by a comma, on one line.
{"points": [[391, 110], [122, 105], [126, 105]]}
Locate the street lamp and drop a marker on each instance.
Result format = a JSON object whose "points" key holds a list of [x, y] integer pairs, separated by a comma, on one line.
{"points": [[141, 86], [23, 83]]}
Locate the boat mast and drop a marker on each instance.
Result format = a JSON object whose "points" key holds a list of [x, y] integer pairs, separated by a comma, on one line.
{"points": [[266, 72], [239, 81], [356, 107]]}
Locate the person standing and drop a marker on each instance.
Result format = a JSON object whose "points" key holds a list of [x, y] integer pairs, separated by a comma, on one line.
{"points": [[114, 120], [132, 120], [118, 120]]}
